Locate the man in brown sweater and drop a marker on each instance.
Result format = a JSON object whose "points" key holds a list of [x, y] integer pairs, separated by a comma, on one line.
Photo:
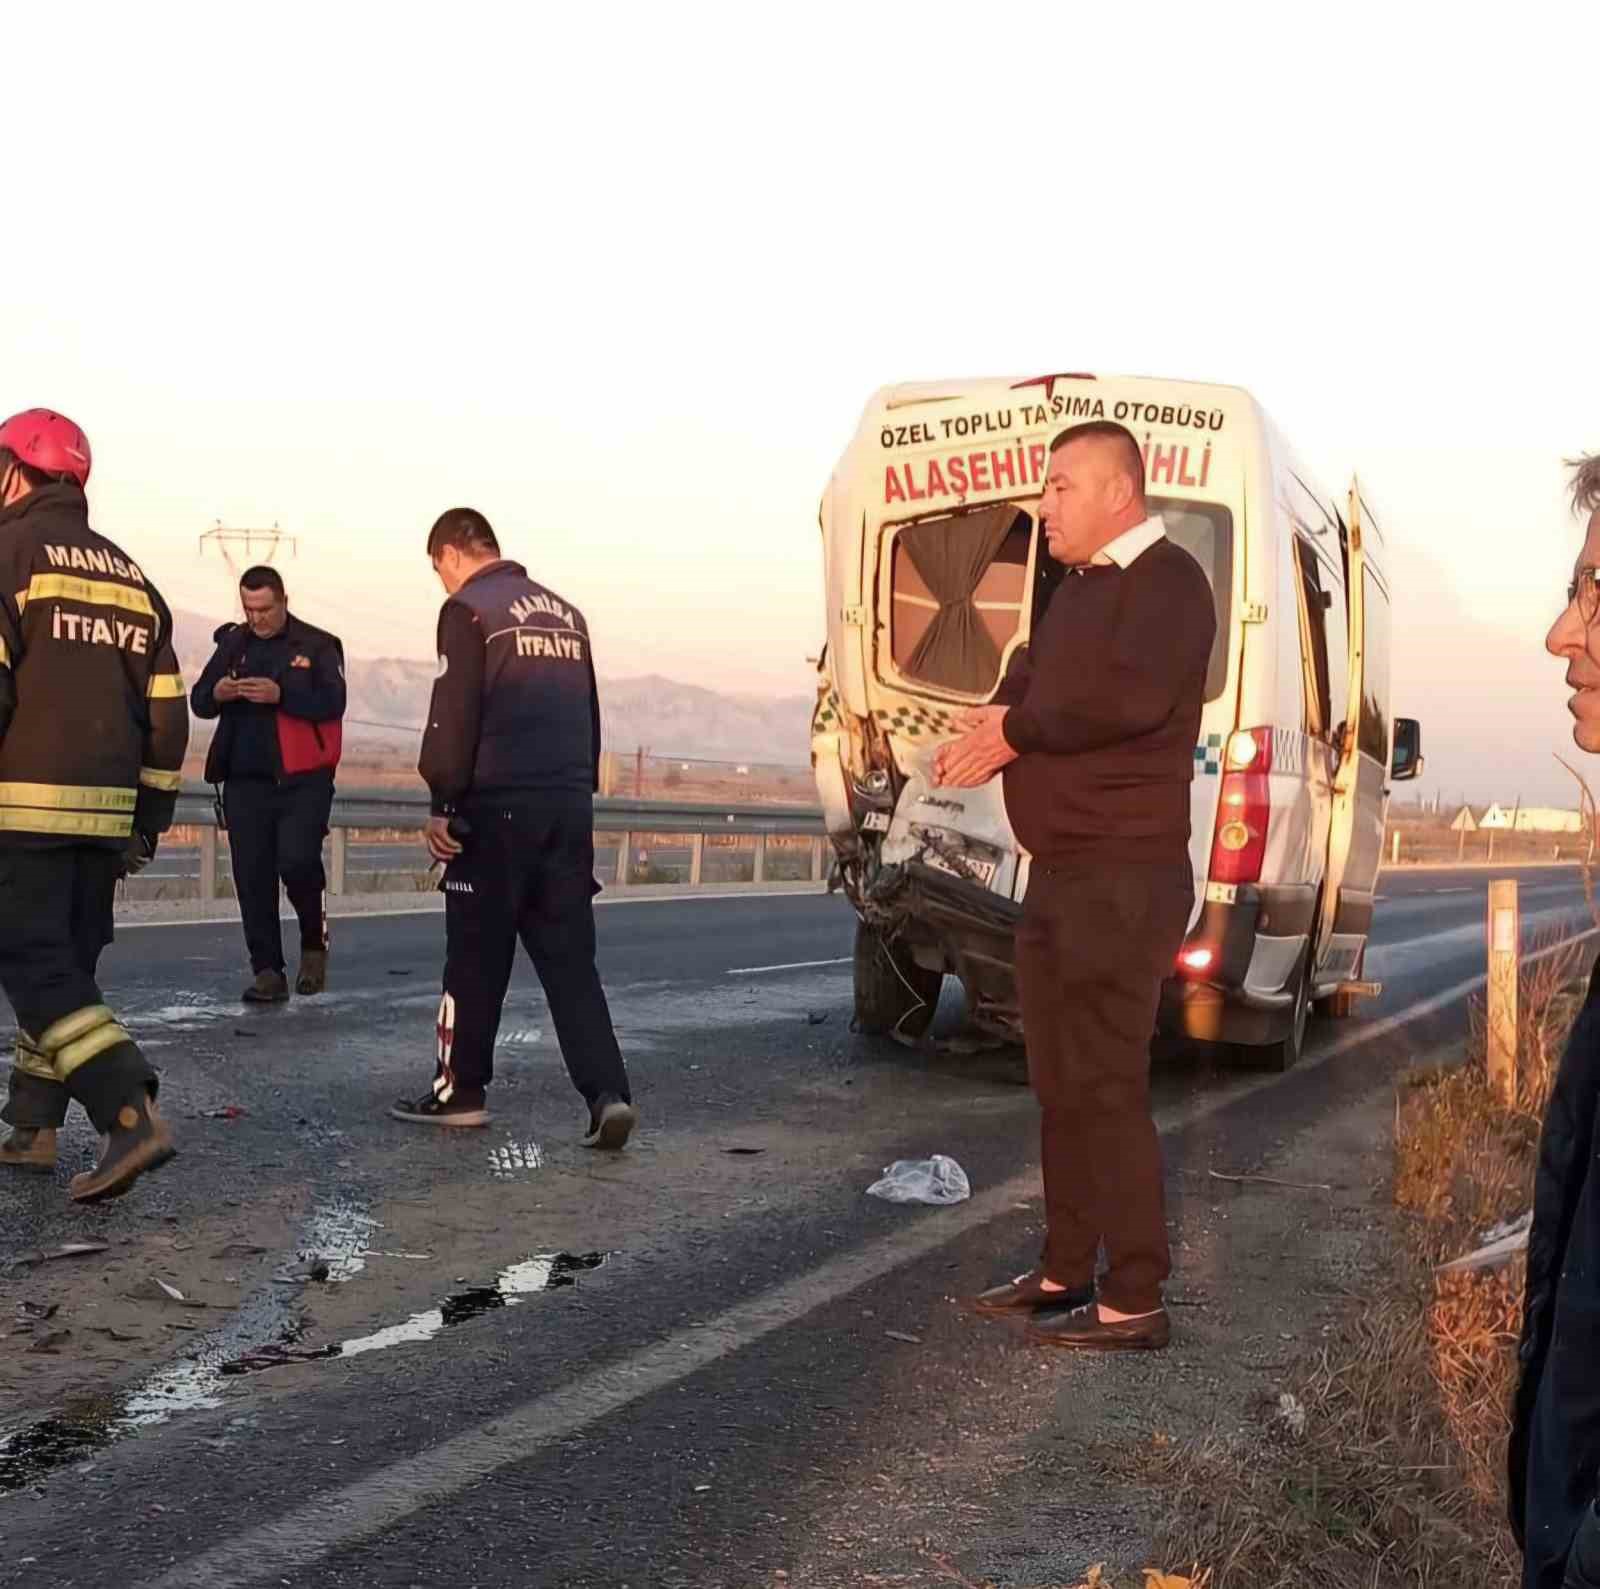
{"points": [[1094, 728]]}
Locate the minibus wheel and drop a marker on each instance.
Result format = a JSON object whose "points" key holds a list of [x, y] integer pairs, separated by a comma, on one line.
{"points": [[1287, 1052], [895, 997]]}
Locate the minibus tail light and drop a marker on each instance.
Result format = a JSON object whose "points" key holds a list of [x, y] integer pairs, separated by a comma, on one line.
{"points": [[1239, 849]]}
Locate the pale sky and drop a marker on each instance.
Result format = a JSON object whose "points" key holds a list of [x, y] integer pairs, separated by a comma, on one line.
{"points": [[624, 280]]}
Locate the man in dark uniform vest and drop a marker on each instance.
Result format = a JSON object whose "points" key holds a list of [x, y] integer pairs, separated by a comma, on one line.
{"points": [[277, 683], [511, 757], [93, 730]]}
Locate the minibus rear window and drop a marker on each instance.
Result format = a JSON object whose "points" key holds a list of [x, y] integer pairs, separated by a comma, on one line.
{"points": [[959, 587]]}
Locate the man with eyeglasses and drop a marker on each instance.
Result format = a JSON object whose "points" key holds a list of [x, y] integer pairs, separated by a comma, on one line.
{"points": [[1554, 1456]]}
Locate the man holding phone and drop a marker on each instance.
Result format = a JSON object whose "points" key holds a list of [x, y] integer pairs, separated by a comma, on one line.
{"points": [[511, 757], [278, 686]]}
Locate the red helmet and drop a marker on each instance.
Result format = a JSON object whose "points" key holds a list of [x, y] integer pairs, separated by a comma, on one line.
{"points": [[49, 441]]}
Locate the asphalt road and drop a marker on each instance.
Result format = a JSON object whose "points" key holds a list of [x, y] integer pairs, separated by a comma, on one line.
{"points": [[693, 1410]]}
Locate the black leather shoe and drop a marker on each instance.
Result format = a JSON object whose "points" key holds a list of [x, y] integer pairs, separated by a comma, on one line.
{"points": [[269, 987], [1027, 1297], [1086, 1331]]}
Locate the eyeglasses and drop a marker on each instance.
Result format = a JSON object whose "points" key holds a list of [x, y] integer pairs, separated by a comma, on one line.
{"points": [[1584, 592]]}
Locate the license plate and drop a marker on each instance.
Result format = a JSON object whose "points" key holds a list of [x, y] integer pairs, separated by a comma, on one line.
{"points": [[975, 871], [875, 822]]}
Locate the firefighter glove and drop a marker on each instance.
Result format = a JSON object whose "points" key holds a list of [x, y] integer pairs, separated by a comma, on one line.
{"points": [[141, 851]]}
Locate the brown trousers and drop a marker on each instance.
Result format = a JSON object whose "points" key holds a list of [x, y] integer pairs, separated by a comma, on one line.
{"points": [[1093, 947]]}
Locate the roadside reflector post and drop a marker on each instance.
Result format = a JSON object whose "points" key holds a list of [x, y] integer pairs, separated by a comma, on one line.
{"points": [[1396, 851], [624, 857], [758, 861], [819, 860], [1505, 941], [697, 858], [208, 863], [338, 859]]}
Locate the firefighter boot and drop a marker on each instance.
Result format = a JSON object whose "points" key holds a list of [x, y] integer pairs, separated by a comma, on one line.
{"points": [[35, 1107], [30, 1148], [139, 1141]]}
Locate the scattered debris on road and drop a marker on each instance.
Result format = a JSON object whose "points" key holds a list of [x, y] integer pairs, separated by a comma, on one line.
{"points": [[317, 1271], [515, 1158], [153, 1289], [275, 1355], [1292, 1413], [939, 1180], [1270, 1180], [1501, 1245], [70, 1249]]}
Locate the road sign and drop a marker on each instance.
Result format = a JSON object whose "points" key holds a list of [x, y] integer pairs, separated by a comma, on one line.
{"points": [[1465, 822]]}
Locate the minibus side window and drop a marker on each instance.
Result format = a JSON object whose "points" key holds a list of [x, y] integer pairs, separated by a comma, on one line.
{"points": [[1314, 606], [1205, 531], [1374, 737]]}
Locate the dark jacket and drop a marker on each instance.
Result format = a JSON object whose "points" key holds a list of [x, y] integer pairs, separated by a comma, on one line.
{"points": [[515, 709], [93, 725], [1105, 707], [1555, 1440], [307, 664]]}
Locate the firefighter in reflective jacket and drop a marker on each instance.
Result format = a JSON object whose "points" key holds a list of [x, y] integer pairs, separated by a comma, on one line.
{"points": [[510, 756], [93, 729]]}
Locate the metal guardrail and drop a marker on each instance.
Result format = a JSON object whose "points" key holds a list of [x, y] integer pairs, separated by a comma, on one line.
{"points": [[408, 809]]}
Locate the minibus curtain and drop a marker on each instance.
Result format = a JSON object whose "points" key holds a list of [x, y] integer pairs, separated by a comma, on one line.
{"points": [[956, 651]]}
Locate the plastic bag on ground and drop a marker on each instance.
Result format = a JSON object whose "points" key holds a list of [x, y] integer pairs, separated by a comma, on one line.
{"points": [[936, 1180]]}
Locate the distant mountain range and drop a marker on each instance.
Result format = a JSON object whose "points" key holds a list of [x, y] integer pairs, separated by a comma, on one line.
{"points": [[656, 713]]}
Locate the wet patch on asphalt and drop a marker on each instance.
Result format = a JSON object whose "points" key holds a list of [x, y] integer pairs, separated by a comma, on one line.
{"points": [[87, 1425]]}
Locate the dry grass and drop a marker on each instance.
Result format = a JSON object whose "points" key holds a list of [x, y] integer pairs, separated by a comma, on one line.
{"points": [[1396, 1476], [943, 1570]]}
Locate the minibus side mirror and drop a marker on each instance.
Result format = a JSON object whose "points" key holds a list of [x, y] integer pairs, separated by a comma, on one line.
{"points": [[1407, 762]]}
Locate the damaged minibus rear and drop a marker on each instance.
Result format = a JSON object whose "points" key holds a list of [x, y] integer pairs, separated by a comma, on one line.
{"points": [[936, 572]]}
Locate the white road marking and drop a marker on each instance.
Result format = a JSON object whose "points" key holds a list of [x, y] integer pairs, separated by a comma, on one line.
{"points": [[1423, 948], [793, 965], [339, 1517], [1439, 1001]]}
